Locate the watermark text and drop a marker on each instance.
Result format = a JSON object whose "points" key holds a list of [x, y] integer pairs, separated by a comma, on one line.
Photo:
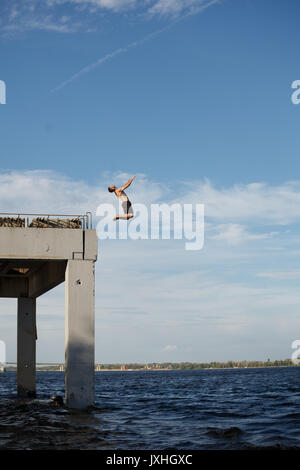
{"points": [[159, 222], [296, 94], [2, 353], [2, 92], [296, 354]]}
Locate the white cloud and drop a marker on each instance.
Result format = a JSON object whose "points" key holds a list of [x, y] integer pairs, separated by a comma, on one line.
{"points": [[117, 5], [178, 7], [260, 202], [85, 15], [280, 275], [170, 348], [235, 234], [48, 191], [39, 22]]}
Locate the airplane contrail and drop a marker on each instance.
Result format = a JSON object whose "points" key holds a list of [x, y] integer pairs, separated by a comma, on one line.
{"points": [[122, 50]]}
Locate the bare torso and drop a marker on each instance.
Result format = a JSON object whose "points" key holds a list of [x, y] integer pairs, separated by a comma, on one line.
{"points": [[121, 195]]}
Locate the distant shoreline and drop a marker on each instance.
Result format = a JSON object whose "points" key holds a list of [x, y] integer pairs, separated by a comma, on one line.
{"points": [[202, 368], [224, 366]]}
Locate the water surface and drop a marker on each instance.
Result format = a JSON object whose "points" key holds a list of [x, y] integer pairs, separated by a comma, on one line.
{"points": [[199, 409]]}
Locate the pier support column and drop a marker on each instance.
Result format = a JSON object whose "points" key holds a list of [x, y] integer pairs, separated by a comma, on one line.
{"points": [[26, 349], [80, 332]]}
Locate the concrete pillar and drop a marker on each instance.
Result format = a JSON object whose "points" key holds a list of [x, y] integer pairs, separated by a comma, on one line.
{"points": [[80, 332], [26, 349]]}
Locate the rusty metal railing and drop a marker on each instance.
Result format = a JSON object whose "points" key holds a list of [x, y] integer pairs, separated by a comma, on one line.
{"points": [[40, 220]]}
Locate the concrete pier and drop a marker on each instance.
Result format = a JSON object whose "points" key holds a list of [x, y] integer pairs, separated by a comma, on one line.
{"points": [[33, 261], [26, 347], [80, 358]]}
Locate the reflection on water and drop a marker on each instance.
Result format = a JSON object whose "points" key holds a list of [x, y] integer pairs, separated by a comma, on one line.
{"points": [[210, 409]]}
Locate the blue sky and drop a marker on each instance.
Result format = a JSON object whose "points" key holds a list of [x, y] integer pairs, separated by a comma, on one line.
{"points": [[194, 97]]}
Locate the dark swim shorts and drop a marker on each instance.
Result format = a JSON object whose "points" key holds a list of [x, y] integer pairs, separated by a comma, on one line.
{"points": [[127, 208]]}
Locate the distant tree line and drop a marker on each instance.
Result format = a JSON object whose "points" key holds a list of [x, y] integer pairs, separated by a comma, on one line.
{"points": [[199, 365], [182, 365]]}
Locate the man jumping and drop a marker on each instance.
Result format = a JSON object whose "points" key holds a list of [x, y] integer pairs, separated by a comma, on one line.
{"points": [[126, 204]]}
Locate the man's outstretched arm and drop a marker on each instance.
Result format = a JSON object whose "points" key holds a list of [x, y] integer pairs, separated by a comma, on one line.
{"points": [[128, 183]]}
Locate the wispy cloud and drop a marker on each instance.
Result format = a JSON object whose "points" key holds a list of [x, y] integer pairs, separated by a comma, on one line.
{"points": [[281, 275], [110, 56], [235, 234], [186, 9], [22, 17], [170, 348], [93, 5], [260, 202], [69, 16], [179, 7]]}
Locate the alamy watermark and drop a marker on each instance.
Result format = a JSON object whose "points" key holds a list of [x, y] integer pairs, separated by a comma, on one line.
{"points": [[296, 94], [2, 354], [2, 92], [296, 354], [159, 222]]}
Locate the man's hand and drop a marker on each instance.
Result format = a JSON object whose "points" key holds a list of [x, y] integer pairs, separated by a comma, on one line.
{"points": [[127, 184], [130, 180]]}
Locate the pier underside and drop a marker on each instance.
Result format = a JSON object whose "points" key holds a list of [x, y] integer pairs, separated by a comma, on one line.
{"points": [[30, 278]]}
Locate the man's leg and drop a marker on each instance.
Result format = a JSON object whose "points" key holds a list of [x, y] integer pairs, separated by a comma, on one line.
{"points": [[123, 216], [128, 212]]}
